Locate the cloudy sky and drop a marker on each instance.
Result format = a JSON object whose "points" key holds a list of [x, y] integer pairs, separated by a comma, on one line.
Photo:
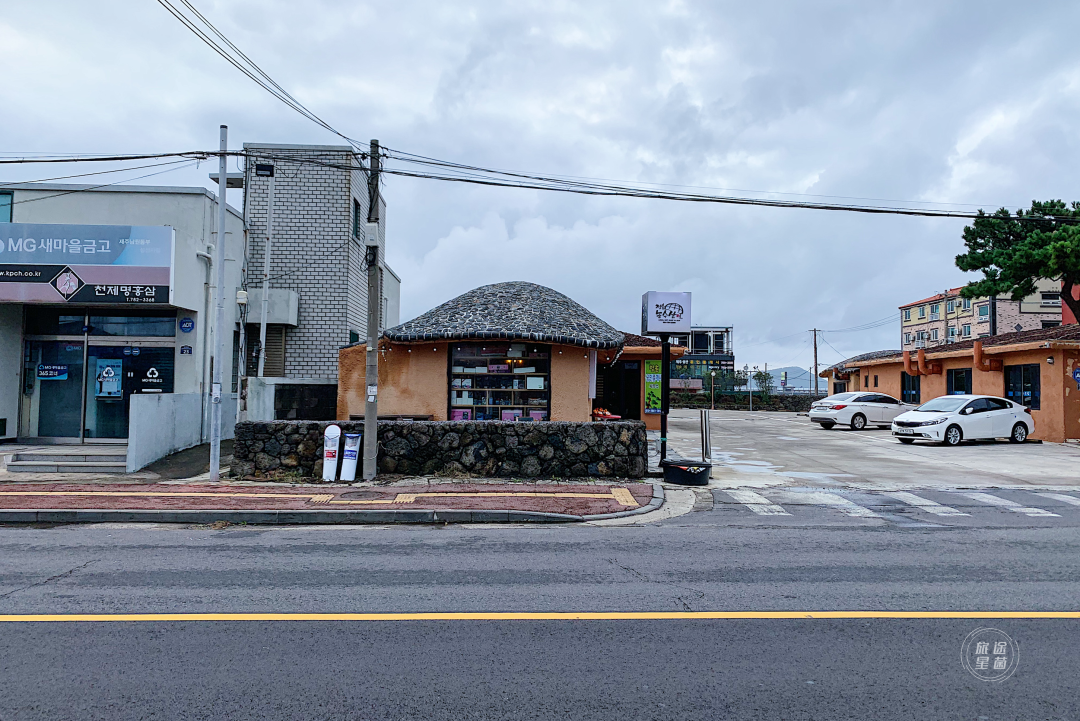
{"points": [[960, 105]]}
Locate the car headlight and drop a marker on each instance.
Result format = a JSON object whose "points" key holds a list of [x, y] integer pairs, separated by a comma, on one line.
{"points": [[935, 422]]}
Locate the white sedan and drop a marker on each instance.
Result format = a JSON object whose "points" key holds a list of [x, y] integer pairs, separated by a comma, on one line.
{"points": [[857, 410], [952, 419]]}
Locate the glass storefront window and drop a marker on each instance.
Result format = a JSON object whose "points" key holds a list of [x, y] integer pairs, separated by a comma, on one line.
{"points": [[162, 324], [500, 381], [53, 321]]}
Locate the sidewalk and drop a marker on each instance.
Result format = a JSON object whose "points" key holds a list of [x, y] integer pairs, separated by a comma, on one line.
{"points": [[296, 504]]}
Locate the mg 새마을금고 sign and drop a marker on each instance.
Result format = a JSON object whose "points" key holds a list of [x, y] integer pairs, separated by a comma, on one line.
{"points": [[53, 263]]}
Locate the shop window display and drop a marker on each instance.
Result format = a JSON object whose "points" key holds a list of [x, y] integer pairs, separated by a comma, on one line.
{"points": [[500, 382]]}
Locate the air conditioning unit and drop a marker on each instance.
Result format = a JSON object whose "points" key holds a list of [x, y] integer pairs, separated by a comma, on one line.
{"points": [[920, 344]]}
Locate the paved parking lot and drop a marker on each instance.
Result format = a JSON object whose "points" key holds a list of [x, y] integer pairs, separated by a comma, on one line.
{"points": [[762, 449]]}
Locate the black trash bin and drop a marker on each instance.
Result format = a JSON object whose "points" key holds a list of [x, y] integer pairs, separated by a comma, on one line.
{"points": [[686, 472]]}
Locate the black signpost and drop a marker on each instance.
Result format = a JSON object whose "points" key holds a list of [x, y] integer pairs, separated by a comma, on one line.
{"points": [[665, 391]]}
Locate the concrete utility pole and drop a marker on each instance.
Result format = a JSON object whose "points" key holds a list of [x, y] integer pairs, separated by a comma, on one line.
{"points": [[374, 282], [219, 316], [262, 170], [815, 332]]}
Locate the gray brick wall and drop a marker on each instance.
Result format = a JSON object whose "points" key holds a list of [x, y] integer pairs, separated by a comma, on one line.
{"points": [[314, 251]]}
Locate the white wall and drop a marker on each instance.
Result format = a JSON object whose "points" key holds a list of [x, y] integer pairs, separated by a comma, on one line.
{"points": [[10, 366], [192, 213], [161, 423]]}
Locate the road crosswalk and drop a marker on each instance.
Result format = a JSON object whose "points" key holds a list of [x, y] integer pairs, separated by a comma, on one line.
{"points": [[934, 505]]}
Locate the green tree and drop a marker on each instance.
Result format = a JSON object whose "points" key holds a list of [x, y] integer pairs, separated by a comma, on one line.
{"points": [[1014, 251], [764, 382]]}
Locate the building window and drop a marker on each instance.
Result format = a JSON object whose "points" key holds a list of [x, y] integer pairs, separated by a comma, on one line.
{"points": [[1052, 299], [907, 338], [934, 334], [958, 381], [967, 304], [875, 381], [1051, 323], [1022, 385], [950, 307], [500, 382], [922, 311], [935, 311], [907, 314], [967, 330], [357, 218], [866, 381], [984, 311], [909, 388], [5, 207], [952, 334]]}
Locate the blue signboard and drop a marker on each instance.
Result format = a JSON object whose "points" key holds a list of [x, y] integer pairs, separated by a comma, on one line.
{"points": [[52, 372], [185, 350], [1076, 377], [187, 325], [109, 379], [50, 263]]}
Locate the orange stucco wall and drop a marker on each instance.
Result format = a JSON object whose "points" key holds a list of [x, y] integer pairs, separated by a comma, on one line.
{"points": [[570, 384], [1057, 419], [412, 380]]}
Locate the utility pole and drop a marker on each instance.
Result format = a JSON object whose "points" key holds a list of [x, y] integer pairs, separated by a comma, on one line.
{"points": [[266, 170], [219, 316], [374, 282], [815, 332]]}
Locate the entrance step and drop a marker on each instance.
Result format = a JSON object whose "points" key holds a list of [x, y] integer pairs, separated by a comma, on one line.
{"points": [[65, 467], [71, 459]]}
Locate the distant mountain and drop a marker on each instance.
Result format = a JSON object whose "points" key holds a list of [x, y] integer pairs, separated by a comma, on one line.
{"points": [[796, 377]]}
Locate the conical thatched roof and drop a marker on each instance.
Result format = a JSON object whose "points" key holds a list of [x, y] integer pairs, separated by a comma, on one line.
{"points": [[510, 311]]}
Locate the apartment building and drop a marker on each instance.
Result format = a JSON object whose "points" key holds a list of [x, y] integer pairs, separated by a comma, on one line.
{"points": [[948, 318]]}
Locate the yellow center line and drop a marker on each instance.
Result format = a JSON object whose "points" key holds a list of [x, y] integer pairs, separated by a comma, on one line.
{"points": [[542, 616]]}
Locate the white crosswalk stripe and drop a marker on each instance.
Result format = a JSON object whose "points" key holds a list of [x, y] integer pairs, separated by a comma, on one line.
{"points": [[925, 504], [1073, 500], [815, 498], [757, 503], [1008, 505]]}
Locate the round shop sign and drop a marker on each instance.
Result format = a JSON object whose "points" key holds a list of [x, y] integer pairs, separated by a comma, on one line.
{"points": [[127, 350], [187, 325]]}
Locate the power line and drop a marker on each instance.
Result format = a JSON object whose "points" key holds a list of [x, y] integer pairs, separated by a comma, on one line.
{"points": [[866, 326], [104, 185], [98, 172]]}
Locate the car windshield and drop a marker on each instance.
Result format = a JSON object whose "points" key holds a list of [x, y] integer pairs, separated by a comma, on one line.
{"points": [[942, 405], [841, 397]]}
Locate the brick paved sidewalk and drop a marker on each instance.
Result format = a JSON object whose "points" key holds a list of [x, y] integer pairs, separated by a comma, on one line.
{"points": [[537, 498]]}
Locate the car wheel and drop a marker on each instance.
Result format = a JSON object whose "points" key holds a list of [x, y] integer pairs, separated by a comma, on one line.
{"points": [[953, 436], [827, 426], [906, 441], [1019, 433], [858, 422]]}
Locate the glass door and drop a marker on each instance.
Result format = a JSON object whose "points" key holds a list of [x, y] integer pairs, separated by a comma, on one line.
{"points": [[52, 388], [113, 374]]}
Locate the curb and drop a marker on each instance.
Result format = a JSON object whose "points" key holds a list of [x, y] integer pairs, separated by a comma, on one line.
{"points": [[656, 502], [321, 517]]}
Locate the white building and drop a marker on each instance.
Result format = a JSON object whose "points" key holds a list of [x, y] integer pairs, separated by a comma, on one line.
{"points": [[105, 295]]}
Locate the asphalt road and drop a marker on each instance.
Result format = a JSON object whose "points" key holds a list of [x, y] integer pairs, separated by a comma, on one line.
{"points": [[766, 447], [468, 669]]}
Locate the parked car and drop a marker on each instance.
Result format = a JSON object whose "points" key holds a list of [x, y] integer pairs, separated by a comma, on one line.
{"points": [[857, 410], [952, 419]]}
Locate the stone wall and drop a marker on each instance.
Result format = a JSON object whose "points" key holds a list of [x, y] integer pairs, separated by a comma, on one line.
{"points": [[551, 449]]}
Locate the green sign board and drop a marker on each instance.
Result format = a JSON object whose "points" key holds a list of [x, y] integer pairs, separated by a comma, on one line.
{"points": [[652, 386]]}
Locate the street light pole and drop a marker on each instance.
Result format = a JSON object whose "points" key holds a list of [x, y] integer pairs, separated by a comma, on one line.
{"points": [[712, 390]]}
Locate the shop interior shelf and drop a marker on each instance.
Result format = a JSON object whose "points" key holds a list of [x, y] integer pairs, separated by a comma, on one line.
{"points": [[538, 373]]}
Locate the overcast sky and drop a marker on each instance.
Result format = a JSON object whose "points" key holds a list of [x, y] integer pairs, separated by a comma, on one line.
{"points": [[972, 104]]}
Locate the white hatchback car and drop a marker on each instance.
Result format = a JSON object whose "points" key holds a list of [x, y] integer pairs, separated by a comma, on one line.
{"points": [[952, 419], [857, 410]]}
